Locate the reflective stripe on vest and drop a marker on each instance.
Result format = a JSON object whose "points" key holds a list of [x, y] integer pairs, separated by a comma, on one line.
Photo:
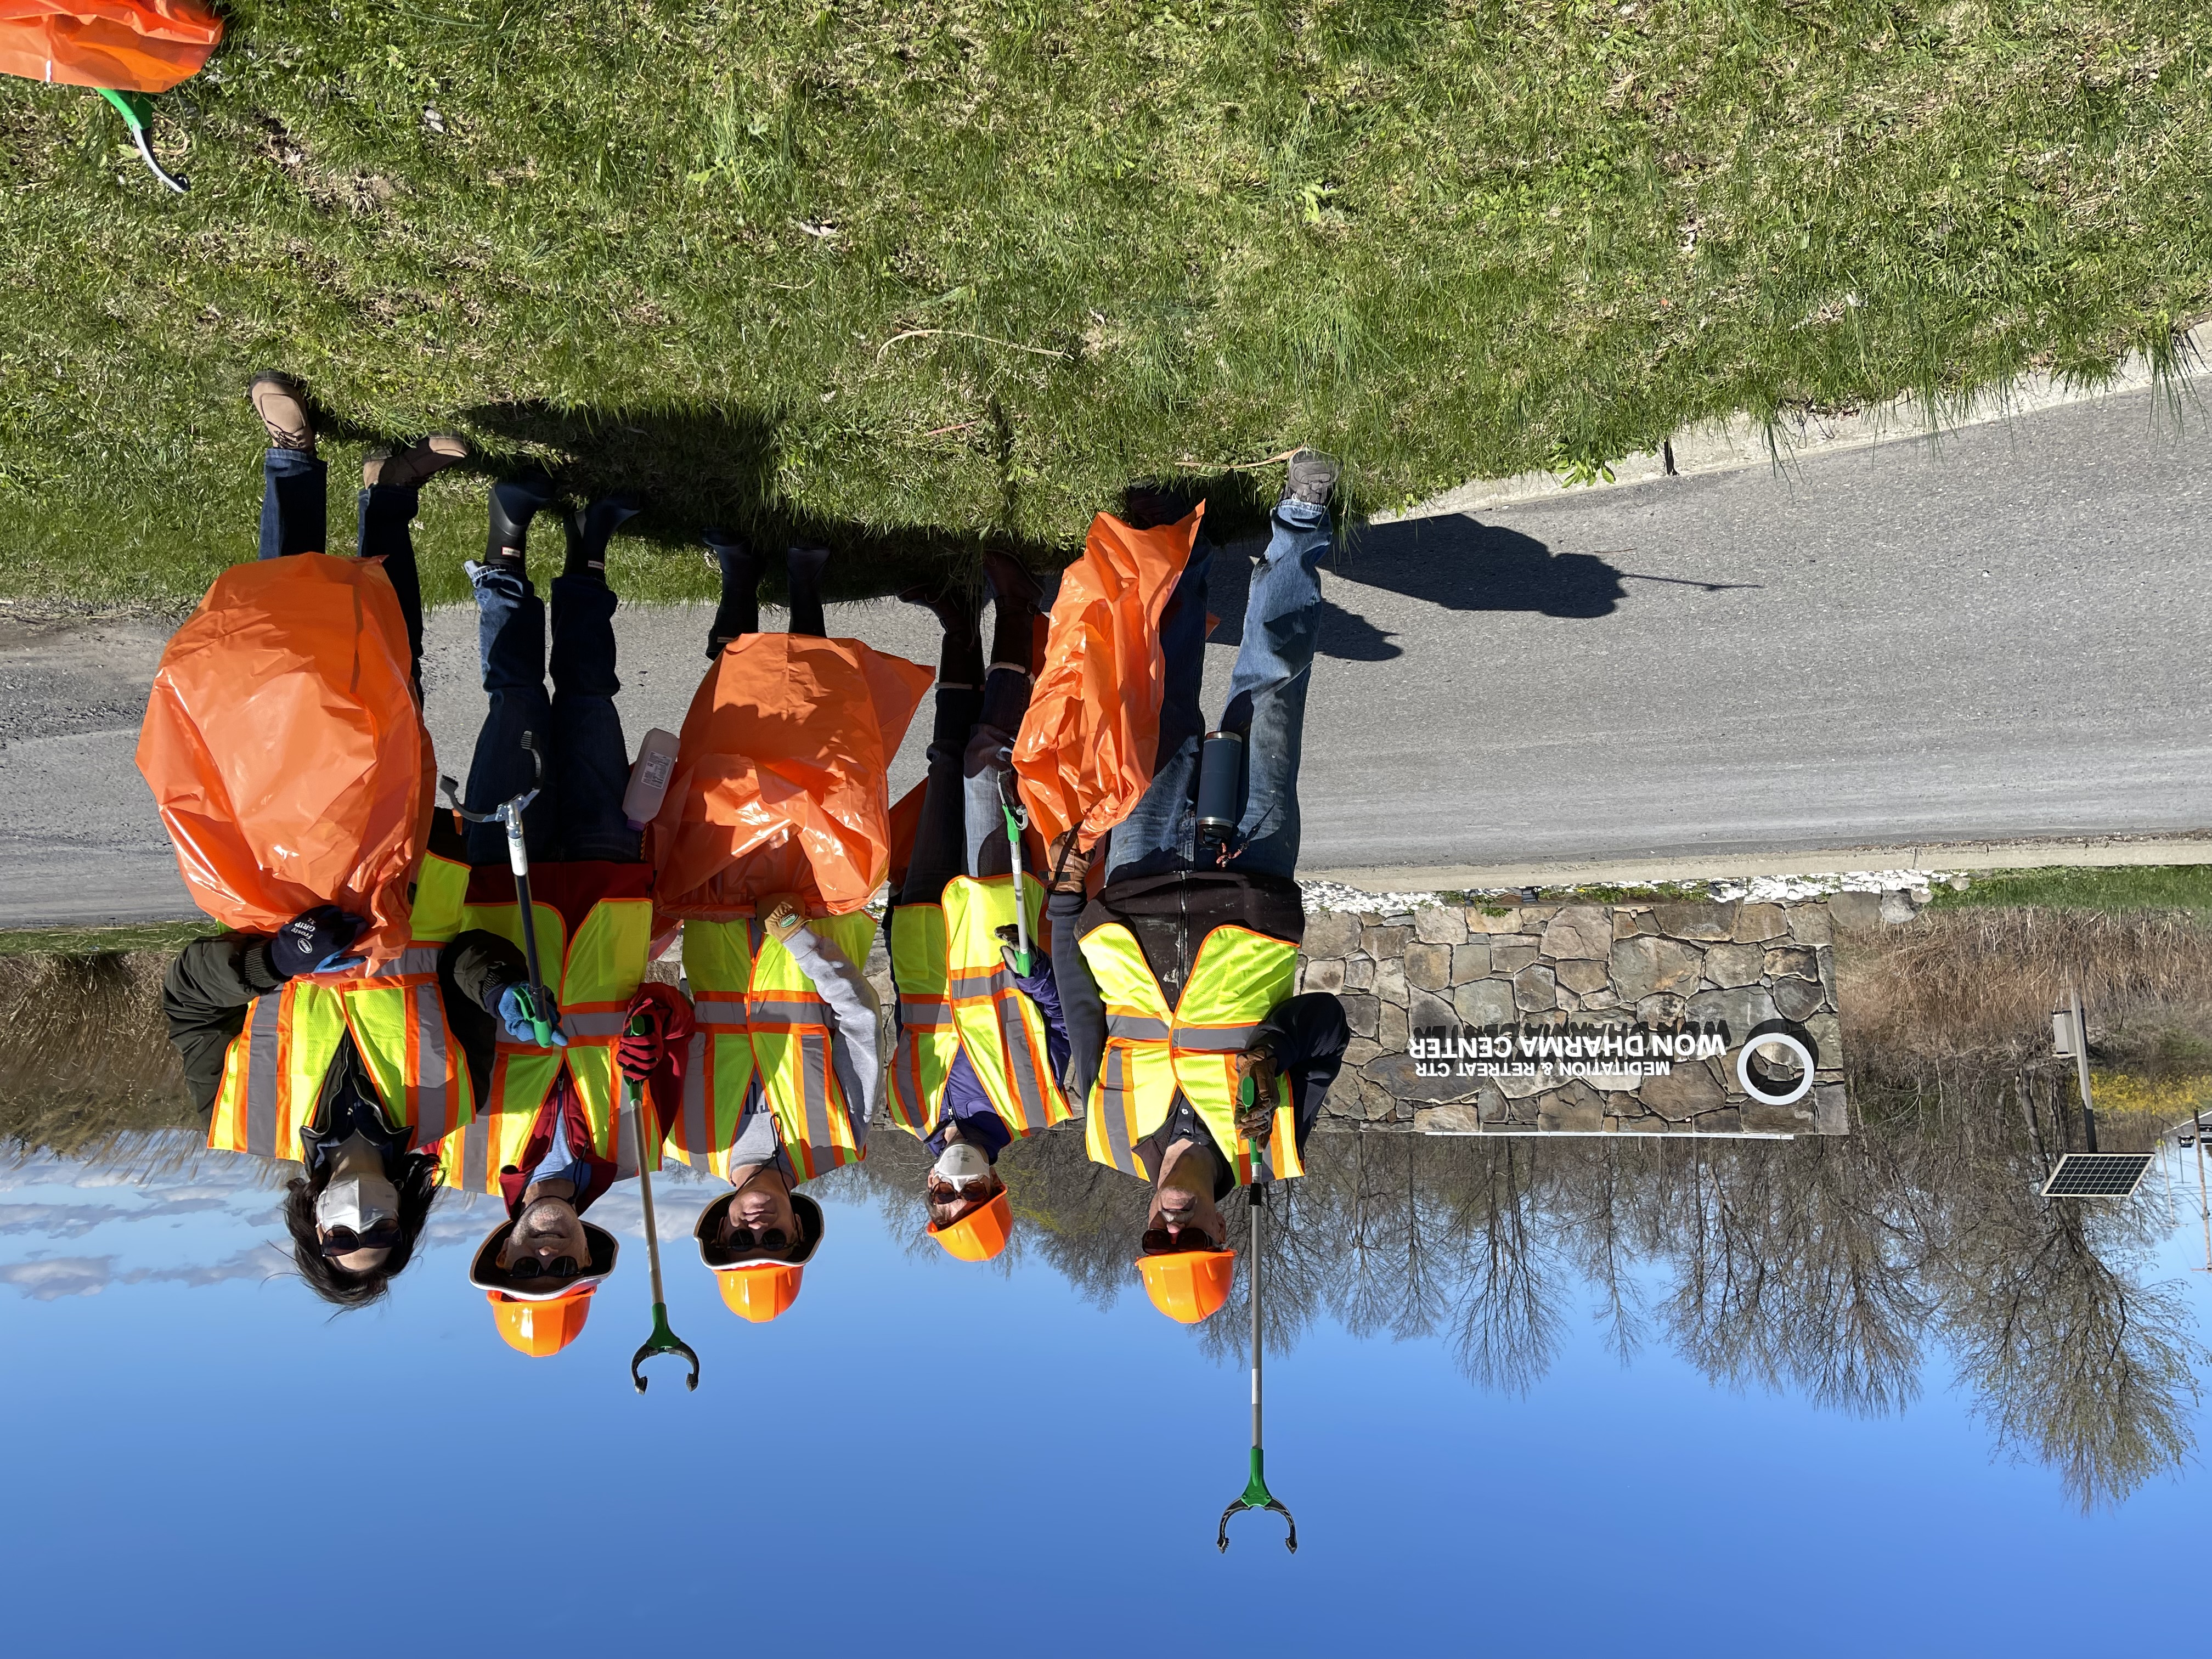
{"points": [[599, 971], [757, 1010], [273, 1073], [1153, 1051], [1000, 1029], [927, 1040]]}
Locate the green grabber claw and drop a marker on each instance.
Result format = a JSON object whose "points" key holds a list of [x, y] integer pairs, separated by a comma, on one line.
{"points": [[138, 111], [1255, 1495], [663, 1339]]}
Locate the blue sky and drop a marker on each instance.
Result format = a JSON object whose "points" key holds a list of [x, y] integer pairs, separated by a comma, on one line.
{"points": [[193, 1447]]}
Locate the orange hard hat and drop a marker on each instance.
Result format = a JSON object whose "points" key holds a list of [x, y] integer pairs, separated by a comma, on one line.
{"points": [[1189, 1285], [760, 1292], [979, 1235], [540, 1329], [755, 1287]]}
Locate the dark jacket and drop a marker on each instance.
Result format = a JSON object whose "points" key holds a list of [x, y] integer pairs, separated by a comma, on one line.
{"points": [[965, 1103], [1170, 916], [212, 982], [1309, 1037]]}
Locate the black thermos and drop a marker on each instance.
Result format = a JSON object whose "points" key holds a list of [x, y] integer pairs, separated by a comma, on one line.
{"points": [[1220, 785]]}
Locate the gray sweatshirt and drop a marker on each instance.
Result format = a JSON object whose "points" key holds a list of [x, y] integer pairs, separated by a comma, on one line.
{"points": [[856, 1021]]}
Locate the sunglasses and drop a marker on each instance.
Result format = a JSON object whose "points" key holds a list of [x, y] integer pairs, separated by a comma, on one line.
{"points": [[975, 1186], [1158, 1241], [744, 1239], [343, 1241], [561, 1267]]}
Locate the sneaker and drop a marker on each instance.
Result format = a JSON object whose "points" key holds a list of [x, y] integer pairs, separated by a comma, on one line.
{"points": [[407, 469], [280, 401], [1312, 477]]}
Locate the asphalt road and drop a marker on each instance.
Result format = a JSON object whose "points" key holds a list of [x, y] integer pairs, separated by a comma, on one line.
{"points": [[1998, 636]]}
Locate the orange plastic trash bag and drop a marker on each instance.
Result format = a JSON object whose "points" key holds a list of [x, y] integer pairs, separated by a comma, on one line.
{"points": [[130, 46], [285, 749], [782, 777], [1088, 744]]}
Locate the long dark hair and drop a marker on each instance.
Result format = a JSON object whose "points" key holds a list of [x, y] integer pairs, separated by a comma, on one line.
{"points": [[418, 1190]]}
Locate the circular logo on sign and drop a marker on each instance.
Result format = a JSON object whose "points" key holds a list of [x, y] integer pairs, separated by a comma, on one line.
{"points": [[1790, 1045]]}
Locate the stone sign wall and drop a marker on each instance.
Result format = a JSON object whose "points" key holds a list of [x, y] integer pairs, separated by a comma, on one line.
{"points": [[1519, 974]]}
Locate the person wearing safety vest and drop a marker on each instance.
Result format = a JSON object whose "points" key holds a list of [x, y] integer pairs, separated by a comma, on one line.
{"points": [[982, 1045], [540, 1267], [1176, 978], [787, 1106], [555, 1118], [292, 1051]]}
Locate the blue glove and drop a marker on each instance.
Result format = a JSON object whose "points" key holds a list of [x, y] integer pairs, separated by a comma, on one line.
{"points": [[314, 942], [514, 1014]]}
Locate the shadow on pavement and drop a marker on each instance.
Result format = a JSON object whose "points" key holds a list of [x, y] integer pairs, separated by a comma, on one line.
{"points": [[1456, 564]]}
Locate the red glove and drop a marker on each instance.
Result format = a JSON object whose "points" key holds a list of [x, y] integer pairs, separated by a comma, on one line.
{"points": [[668, 1020]]}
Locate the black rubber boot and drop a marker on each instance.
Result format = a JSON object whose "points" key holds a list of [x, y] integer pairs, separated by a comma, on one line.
{"points": [[960, 654], [739, 611], [514, 503], [587, 545], [1015, 595], [805, 566], [1152, 503]]}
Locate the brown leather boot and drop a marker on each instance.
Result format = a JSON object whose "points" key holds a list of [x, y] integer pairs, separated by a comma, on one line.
{"points": [[406, 469], [280, 401]]}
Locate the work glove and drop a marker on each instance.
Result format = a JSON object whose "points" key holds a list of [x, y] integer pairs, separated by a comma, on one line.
{"points": [[1067, 867], [1258, 1123], [314, 942], [512, 1011], [1039, 966], [782, 917], [668, 1020]]}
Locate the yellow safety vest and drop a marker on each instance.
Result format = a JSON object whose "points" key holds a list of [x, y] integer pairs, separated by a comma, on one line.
{"points": [[1153, 1050], [927, 1040], [758, 1011], [1000, 1029], [598, 971], [272, 1076]]}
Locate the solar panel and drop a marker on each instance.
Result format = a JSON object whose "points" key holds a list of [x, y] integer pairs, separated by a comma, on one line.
{"points": [[2097, 1175]]}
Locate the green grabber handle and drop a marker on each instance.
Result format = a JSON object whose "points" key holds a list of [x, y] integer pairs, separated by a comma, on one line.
{"points": [[138, 111], [1014, 827], [1255, 1495], [663, 1339]]}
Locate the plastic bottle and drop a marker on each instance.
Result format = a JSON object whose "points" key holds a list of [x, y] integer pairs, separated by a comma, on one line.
{"points": [[648, 778]]}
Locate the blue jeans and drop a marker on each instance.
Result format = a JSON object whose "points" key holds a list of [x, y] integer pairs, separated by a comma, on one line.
{"points": [[1266, 703], [294, 518], [578, 813]]}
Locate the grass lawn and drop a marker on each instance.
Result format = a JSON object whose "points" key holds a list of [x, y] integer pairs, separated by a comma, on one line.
{"points": [[164, 936], [2137, 887], [912, 275]]}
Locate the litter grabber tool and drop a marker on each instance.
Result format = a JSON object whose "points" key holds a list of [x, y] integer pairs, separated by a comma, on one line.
{"points": [[663, 1339], [138, 111], [1255, 1495], [509, 814], [1017, 819]]}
